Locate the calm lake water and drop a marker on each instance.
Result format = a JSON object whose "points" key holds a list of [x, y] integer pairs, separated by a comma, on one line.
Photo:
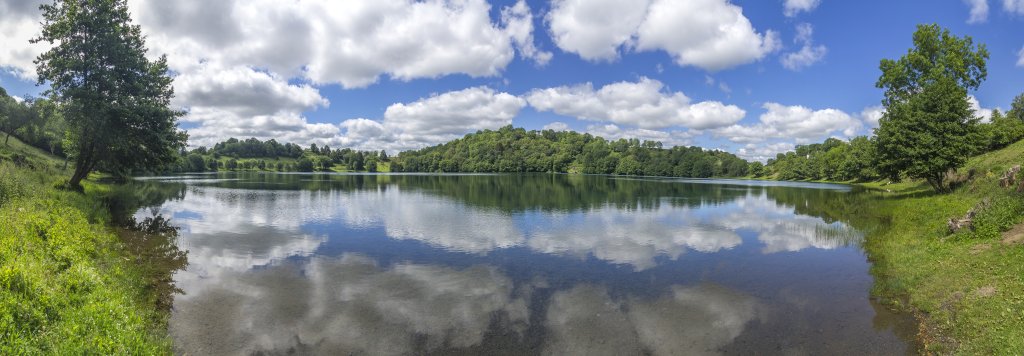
{"points": [[519, 264]]}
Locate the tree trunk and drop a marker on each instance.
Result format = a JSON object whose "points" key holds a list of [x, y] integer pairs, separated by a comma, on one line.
{"points": [[76, 179], [83, 165], [936, 183], [7, 139]]}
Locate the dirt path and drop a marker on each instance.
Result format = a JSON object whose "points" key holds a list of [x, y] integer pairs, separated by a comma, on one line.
{"points": [[1014, 236]]}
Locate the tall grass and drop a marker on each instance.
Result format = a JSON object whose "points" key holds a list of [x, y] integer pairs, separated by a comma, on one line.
{"points": [[65, 285]]}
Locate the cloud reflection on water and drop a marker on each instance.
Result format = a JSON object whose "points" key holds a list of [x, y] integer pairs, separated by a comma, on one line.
{"points": [[258, 281], [351, 304], [698, 320], [629, 236], [346, 305]]}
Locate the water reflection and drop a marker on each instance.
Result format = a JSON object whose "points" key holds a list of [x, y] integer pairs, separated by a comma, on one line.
{"points": [[525, 264], [348, 305], [586, 320], [633, 224]]}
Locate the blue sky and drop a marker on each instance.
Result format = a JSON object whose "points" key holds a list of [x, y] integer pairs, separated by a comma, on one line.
{"points": [[305, 71]]}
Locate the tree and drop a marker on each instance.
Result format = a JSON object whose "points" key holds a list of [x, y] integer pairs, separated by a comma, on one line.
{"points": [[115, 101], [1002, 131], [371, 164], [14, 115], [304, 164], [1017, 108], [196, 163], [929, 127]]}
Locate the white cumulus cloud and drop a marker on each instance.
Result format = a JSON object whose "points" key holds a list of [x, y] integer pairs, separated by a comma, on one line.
{"points": [[432, 120], [613, 132], [984, 113], [1014, 6], [242, 102], [979, 11], [793, 7], [20, 24], [763, 152], [352, 43], [872, 114], [644, 104], [709, 34], [556, 126], [798, 123], [595, 29], [808, 53], [237, 62]]}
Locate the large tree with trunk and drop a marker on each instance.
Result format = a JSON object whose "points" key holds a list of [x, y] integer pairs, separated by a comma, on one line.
{"points": [[116, 102], [929, 127]]}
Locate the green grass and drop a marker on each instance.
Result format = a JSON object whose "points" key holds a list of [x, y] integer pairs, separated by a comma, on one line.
{"points": [[967, 289], [34, 155], [65, 285]]}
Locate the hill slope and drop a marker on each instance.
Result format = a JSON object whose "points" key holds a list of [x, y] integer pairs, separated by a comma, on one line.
{"points": [[966, 288], [68, 285], [14, 147]]}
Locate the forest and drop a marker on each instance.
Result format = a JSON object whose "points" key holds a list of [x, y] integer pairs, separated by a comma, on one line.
{"points": [[517, 150], [856, 160], [506, 150]]}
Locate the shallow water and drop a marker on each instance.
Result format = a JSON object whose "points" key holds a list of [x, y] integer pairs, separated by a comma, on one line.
{"points": [[519, 264]]}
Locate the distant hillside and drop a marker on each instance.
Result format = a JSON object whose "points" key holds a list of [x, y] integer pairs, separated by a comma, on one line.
{"points": [[512, 149], [505, 150]]}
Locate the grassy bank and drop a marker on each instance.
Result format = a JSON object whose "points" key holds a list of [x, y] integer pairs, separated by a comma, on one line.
{"points": [[967, 288], [67, 283]]}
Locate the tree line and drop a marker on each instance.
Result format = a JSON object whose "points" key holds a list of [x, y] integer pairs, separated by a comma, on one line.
{"points": [[253, 154], [928, 129], [855, 160], [510, 149]]}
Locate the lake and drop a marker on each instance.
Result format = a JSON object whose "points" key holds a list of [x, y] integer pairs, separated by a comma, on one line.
{"points": [[519, 264]]}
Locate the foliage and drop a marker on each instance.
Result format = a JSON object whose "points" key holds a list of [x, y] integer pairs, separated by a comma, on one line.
{"points": [[1001, 131], [833, 160], [1017, 108], [517, 150], [65, 285], [253, 148], [929, 127], [115, 101], [253, 154]]}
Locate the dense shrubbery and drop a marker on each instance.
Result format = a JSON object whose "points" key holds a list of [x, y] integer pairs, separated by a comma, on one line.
{"points": [[517, 150]]}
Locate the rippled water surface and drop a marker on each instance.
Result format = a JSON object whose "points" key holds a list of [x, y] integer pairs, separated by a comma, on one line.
{"points": [[518, 264]]}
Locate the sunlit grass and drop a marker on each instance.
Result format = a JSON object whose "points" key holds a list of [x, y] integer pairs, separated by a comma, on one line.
{"points": [[65, 288], [968, 288]]}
